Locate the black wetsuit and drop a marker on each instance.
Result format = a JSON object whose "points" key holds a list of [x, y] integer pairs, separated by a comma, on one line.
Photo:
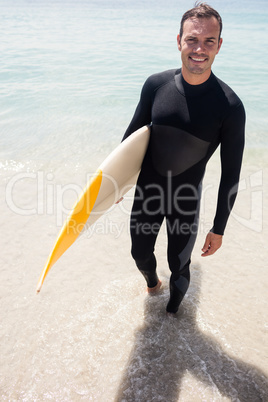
{"points": [[188, 122]]}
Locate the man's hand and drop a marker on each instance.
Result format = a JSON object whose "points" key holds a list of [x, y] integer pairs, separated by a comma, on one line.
{"points": [[212, 244]]}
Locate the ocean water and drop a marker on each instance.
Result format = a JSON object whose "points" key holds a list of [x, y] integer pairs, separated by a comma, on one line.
{"points": [[71, 71], [70, 78]]}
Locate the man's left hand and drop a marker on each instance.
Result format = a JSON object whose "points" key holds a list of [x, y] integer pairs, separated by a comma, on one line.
{"points": [[212, 244]]}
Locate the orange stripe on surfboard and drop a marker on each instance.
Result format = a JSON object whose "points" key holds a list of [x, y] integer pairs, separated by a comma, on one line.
{"points": [[73, 225]]}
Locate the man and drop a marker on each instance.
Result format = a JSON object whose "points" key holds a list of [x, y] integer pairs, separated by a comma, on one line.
{"points": [[190, 112]]}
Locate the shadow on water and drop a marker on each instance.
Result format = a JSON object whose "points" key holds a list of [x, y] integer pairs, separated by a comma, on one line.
{"points": [[166, 348]]}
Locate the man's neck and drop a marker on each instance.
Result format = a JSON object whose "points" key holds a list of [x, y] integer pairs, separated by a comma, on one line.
{"points": [[195, 79]]}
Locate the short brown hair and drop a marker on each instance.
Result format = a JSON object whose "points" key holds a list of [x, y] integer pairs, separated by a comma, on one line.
{"points": [[201, 10]]}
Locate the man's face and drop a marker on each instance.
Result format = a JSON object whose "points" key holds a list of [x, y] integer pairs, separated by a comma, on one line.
{"points": [[199, 45]]}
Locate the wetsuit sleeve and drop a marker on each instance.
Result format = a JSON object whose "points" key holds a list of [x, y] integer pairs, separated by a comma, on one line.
{"points": [[142, 115], [232, 146]]}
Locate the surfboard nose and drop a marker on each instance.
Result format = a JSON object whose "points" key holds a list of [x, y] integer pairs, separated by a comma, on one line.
{"points": [[73, 224]]}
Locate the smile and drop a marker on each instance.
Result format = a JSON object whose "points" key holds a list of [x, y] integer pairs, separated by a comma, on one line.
{"points": [[197, 59]]}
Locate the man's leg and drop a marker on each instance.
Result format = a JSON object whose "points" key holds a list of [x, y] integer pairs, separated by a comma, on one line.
{"points": [[178, 286], [182, 232], [143, 235], [145, 223]]}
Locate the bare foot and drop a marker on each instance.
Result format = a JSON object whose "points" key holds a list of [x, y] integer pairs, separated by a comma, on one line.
{"points": [[155, 289], [173, 315]]}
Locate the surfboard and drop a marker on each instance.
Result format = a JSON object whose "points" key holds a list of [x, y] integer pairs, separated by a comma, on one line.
{"points": [[116, 175]]}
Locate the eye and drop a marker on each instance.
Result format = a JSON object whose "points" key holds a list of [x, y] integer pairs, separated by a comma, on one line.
{"points": [[191, 40]]}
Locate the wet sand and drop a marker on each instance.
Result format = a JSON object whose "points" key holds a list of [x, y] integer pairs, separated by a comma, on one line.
{"points": [[94, 334]]}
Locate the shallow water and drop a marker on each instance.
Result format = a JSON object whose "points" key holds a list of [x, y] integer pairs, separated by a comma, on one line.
{"points": [[93, 333]]}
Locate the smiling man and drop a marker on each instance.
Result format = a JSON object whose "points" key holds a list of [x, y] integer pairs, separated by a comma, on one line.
{"points": [[199, 43], [191, 113]]}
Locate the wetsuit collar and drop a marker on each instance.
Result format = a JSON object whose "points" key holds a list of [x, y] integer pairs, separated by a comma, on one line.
{"points": [[192, 90]]}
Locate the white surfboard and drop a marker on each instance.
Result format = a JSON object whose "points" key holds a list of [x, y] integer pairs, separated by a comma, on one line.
{"points": [[115, 177]]}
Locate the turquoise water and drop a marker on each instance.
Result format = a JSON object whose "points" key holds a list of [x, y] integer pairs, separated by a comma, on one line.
{"points": [[71, 71]]}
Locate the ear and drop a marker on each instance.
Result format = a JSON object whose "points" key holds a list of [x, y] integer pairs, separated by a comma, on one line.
{"points": [[219, 45], [179, 42]]}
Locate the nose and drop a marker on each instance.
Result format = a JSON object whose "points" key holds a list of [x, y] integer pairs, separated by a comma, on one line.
{"points": [[199, 47]]}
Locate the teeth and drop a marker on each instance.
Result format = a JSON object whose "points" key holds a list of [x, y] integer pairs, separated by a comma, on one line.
{"points": [[195, 59]]}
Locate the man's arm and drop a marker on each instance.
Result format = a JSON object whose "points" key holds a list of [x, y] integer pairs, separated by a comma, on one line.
{"points": [[142, 115], [232, 146]]}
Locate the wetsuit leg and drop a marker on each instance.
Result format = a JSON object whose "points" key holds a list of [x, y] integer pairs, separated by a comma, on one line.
{"points": [[182, 229], [146, 219], [144, 230]]}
